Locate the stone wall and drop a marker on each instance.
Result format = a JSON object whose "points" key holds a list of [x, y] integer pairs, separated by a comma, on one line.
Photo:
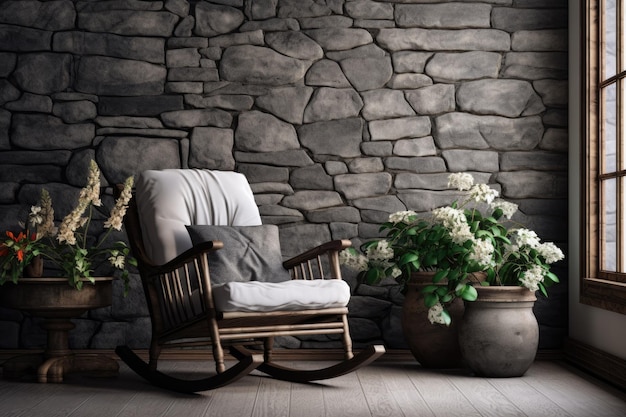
{"points": [[338, 112]]}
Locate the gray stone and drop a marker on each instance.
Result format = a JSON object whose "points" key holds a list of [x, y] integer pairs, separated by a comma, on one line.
{"points": [[418, 165], [192, 74], [5, 124], [119, 77], [533, 184], [367, 73], [211, 148], [361, 165], [41, 132], [261, 9], [337, 137], [184, 57], [76, 173], [377, 148], [410, 181], [446, 15], [8, 92], [340, 39], [509, 98], [294, 44], [129, 22], [267, 199], [539, 40], [385, 104], [555, 117], [120, 157], [405, 127], [415, 147], [185, 26], [480, 132], [52, 15], [334, 214], [336, 167], [31, 103], [410, 61], [26, 174], [325, 22], [514, 19], [191, 42], [255, 65], [60, 158], [197, 117], [333, 103], [139, 106], [75, 111], [232, 39], [184, 87], [264, 173], [371, 50], [7, 63], [262, 132], [373, 23], [19, 39], [125, 121], [536, 161], [368, 307], [409, 81], [270, 25], [286, 103], [99, 6], [388, 204], [312, 200], [85, 43], [178, 7], [535, 65], [43, 73], [279, 215], [340, 230], [444, 40], [553, 93], [435, 99], [73, 96], [311, 178], [295, 158], [271, 187], [354, 186], [215, 19], [452, 67], [555, 140], [295, 239], [369, 10], [326, 73], [459, 160], [226, 101], [423, 201], [302, 8]]}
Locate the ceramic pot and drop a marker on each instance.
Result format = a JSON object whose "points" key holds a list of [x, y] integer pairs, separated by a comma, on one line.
{"points": [[433, 345], [35, 268], [499, 333]]}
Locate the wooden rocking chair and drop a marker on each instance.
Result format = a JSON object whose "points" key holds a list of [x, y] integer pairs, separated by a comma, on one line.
{"points": [[190, 305]]}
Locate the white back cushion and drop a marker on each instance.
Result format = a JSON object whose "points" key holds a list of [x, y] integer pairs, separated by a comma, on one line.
{"points": [[170, 199]]}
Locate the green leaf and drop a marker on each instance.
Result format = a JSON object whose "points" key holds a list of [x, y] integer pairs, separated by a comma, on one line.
{"points": [[429, 289], [439, 275], [469, 293], [430, 300]]}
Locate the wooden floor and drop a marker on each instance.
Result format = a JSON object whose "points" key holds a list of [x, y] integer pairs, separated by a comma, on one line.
{"points": [[381, 389]]}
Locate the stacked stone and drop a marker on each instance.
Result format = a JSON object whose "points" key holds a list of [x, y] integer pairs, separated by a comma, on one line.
{"points": [[338, 112]]}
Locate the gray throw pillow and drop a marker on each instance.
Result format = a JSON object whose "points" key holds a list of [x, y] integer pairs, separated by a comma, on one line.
{"points": [[250, 253]]}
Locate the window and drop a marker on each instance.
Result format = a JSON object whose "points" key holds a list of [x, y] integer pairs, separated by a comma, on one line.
{"points": [[604, 165]]}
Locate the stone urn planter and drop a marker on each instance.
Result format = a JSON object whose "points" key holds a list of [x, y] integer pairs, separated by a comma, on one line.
{"points": [[499, 334], [433, 345]]}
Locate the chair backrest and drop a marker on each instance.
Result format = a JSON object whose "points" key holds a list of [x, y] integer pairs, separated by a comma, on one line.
{"points": [[169, 200]]}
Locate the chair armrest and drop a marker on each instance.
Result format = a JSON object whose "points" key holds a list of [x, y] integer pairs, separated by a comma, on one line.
{"points": [[332, 246], [186, 257]]}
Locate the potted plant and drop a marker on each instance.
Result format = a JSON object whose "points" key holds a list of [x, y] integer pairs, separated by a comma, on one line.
{"points": [[69, 247], [472, 240]]}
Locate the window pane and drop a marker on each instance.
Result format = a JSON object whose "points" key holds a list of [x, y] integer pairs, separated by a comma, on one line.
{"points": [[609, 227], [610, 38], [609, 129]]}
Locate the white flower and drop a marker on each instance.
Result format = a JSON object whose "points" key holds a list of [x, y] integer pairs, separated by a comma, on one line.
{"points": [[117, 261], [454, 220], [483, 253], [461, 233], [525, 237], [482, 192], [532, 277], [402, 216], [550, 252], [461, 181], [35, 217], [353, 260], [435, 314], [395, 272], [508, 209], [379, 252], [119, 210]]}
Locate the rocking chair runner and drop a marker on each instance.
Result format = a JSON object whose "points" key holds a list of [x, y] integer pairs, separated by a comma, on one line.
{"points": [[190, 305]]}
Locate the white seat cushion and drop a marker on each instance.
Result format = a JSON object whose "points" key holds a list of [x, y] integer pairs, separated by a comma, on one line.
{"points": [[256, 296]]}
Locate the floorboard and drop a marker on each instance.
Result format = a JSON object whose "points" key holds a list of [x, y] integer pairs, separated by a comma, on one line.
{"points": [[383, 389]]}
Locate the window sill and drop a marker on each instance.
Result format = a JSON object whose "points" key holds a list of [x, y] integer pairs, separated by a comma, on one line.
{"points": [[608, 295]]}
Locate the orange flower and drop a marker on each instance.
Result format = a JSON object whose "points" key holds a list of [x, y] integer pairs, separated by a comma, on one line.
{"points": [[21, 236]]}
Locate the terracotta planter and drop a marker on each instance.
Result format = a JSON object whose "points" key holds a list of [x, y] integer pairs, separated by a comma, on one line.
{"points": [[499, 334], [433, 345]]}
